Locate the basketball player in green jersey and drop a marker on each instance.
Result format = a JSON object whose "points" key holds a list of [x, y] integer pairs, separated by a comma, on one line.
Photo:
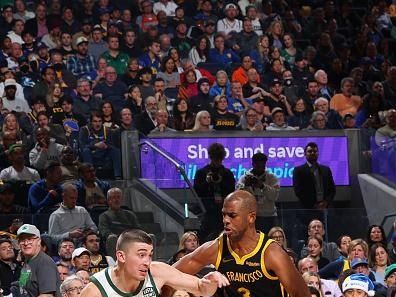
{"points": [[136, 275], [254, 264]]}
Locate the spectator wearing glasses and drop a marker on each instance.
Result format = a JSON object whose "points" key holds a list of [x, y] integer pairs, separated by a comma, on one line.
{"points": [[72, 286], [39, 274]]}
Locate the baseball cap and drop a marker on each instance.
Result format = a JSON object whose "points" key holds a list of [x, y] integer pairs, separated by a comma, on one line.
{"points": [[275, 81], [15, 147], [6, 187], [97, 28], [358, 261], [41, 45], [389, 270], [81, 39], [28, 229], [358, 281], [9, 82], [79, 251], [276, 110], [209, 22], [230, 6]]}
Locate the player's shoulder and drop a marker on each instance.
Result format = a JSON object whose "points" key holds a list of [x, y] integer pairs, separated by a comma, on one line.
{"points": [[91, 290]]}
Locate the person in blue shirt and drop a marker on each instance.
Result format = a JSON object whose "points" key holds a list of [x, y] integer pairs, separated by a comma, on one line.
{"points": [[236, 103], [222, 55]]}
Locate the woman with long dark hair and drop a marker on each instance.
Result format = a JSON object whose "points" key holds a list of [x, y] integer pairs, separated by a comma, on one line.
{"points": [[200, 52], [183, 119]]}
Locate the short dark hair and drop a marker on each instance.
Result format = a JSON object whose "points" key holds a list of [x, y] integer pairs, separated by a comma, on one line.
{"points": [[4, 239], [259, 157], [51, 165], [89, 233], [67, 239], [131, 236], [84, 166], [310, 144], [216, 151]]}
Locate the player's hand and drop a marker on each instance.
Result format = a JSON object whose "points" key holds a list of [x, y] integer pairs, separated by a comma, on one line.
{"points": [[215, 277]]}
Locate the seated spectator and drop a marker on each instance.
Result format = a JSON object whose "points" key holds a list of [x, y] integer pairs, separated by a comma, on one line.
{"points": [[277, 99], [222, 55], [70, 220], [386, 134], [199, 53], [46, 193], [109, 115], [115, 58], [134, 100], [221, 86], [202, 101], [151, 58], [378, 260], [279, 121], [161, 118], [66, 248], [10, 101], [315, 248], [43, 278], [81, 259], [115, 220], [99, 261], [10, 269], [390, 275], [69, 165], [252, 89], [11, 125], [202, 122], [346, 102], [318, 121], [111, 89], [97, 147], [91, 190], [56, 132], [368, 115], [349, 121], [18, 170], [334, 120], [8, 138], [84, 275], [183, 118], [240, 74], [250, 121], [222, 118], [71, 285], [278, 234], [169, 73], [189, 86], [301, 116], [40, 89], [236, 102], [145, 122], [85, 103], [189, 241], [82, 64], [12, 214], [45, 150]]}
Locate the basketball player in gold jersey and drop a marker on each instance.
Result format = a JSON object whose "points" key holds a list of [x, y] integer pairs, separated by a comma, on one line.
{"points": [[255, 265], [136, 275]]}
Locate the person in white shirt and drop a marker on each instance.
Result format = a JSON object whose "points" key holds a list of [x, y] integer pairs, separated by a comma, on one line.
{"points": [[18, 170], [16, 33], [166, 6], [11, 102], [229, 23]]}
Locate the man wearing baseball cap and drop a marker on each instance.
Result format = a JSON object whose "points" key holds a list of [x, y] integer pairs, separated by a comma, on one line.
{"points": [[230, 22], [81, 259], [390, 275], [39, 274], [358, 285]]}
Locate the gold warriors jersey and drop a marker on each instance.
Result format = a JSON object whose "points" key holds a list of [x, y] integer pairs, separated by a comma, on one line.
{"points": [[248, 275]]}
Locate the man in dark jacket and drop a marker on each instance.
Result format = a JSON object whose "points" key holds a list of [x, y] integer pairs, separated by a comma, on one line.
{"points": [[313, 183]]}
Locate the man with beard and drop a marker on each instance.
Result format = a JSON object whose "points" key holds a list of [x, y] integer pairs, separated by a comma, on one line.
{"points": [[66, 248], [99, 261], [145, 122], [202, 101], [10, 101], [69, 165], [48, 76], [82, 64], [223, 119], [85, 103], [212, 184]]}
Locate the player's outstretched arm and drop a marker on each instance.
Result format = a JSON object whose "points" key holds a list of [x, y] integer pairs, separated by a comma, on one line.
{"points": [[277, 260], [90, 291], [167, 275]]}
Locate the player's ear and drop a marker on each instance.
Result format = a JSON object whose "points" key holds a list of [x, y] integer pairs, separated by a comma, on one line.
{"points": [[120, 256], [252, 217]]}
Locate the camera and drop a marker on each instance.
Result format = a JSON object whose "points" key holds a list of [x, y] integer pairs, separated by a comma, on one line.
{"points": [[251, 180], [213, 177]]}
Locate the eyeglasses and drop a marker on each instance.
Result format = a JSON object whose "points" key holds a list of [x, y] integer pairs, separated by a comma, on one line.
{"points": [[79, 289], [27, 241]]}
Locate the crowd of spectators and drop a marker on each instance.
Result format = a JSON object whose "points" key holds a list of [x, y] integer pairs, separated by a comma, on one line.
{"points": [[75, 74]]}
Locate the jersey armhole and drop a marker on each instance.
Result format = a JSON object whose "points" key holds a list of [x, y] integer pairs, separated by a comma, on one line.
{"points": [[153, 283], [99, 286], [265, 271]]}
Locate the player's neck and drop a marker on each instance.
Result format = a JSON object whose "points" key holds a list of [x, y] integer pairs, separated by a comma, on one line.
{"points": [[123, 281], [246, 243]]}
